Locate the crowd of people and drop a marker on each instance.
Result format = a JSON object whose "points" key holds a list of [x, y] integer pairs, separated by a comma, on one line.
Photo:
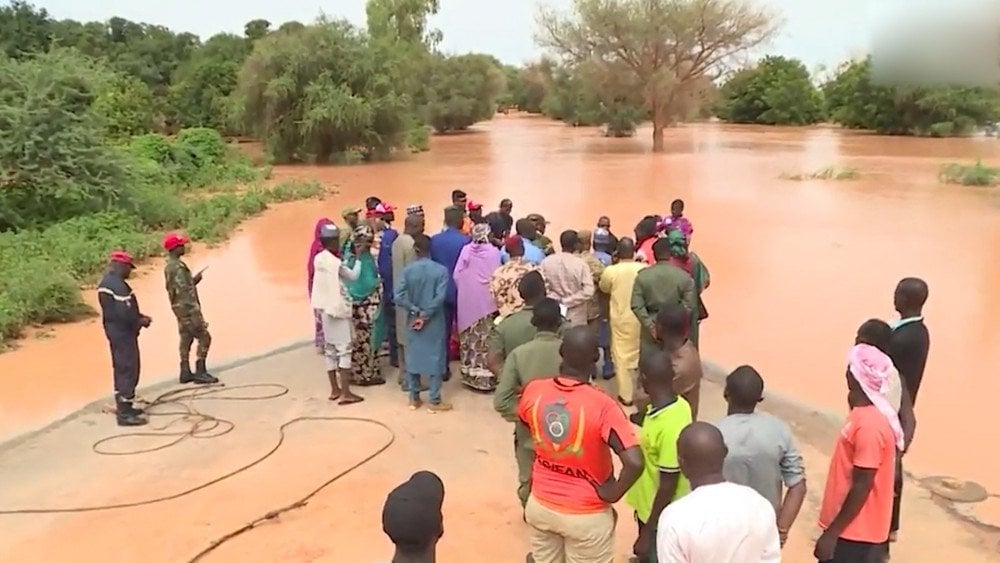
{"points": [[569, 341]]}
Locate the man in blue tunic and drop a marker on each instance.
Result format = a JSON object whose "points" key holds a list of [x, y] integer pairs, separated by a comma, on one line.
{"points": [[122, 322], [422, 291], [445, 248]]}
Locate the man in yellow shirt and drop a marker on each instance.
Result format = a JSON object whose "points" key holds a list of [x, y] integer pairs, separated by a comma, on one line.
{"points": [[661, 481], [617, 281]]}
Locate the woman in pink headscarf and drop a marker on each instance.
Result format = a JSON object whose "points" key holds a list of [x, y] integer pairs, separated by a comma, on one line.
{"points": [[477, 263], [315, 249]]}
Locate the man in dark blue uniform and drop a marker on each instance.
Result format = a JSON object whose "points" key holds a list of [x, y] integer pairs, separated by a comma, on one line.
{"points": [[122, 323]]}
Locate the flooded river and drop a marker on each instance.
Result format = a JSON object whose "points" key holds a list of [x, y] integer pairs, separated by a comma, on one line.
{"points": [[796, 266]]}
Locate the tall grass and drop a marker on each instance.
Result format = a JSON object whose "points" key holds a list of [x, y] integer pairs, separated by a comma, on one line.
{"points": [[977, 174], [828, 173]]}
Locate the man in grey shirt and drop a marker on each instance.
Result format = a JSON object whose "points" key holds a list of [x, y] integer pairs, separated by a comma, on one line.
{"points": [[762, 454]]}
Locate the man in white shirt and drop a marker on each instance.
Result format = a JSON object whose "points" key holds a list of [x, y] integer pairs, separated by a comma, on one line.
{"points": [[569, 280], [717, 522], [330, 297]]}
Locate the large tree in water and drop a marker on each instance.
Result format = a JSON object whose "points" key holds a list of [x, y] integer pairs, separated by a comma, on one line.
{"points": [[662, 48]]}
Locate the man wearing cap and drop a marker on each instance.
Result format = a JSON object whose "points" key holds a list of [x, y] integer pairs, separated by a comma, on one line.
{"points": [[412, 518], [352, 216], [388, 235], [475, 210], [122, 322], [329, 297], [527, 231], [183, 293], [540, 240]]}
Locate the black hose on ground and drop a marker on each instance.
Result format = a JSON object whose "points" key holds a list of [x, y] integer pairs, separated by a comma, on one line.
{"points": [[206, 426]]}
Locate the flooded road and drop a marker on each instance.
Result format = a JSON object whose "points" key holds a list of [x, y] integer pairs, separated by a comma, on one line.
{"points": [[796, 266]]}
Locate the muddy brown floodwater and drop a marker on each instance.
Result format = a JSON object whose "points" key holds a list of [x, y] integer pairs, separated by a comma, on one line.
{"points": [[796, 266]]}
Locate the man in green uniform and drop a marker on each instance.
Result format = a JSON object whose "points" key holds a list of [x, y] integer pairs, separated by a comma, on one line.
{"points": [[532, 360], [658, 285], [183, 293]]}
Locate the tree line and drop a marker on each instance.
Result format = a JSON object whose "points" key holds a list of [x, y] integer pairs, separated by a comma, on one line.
{"points": [[352, 93], [620, 63]]}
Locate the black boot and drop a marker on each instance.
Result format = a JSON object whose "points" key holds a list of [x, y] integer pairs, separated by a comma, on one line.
{"points": [[186, 375], [128, 415], [201, 373]]}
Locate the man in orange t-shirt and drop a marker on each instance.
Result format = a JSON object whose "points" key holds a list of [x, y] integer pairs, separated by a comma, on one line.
{"points": [[857, 503], [575, 426]]}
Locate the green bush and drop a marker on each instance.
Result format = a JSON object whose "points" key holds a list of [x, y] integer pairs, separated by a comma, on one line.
{"points": [[977, 174], [294, 190], [418, 138]]}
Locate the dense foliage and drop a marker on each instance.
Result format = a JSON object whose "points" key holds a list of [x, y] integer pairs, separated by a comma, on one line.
{"points": [[777, 91], [74, 184], [321, 93], [855, 99], [460, 91]]}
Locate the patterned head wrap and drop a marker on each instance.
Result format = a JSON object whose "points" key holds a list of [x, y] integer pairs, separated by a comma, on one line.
{"points": [[678, 244], [480, 232], [363, 232], [415, 210]]}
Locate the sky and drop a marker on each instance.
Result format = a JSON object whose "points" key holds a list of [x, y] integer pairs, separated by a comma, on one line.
{"points": [[816, 32]]}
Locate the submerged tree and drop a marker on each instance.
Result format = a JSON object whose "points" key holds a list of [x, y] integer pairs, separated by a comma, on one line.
{"points": [[776, 91], [656, 48], [320, 93], [460, 91]]}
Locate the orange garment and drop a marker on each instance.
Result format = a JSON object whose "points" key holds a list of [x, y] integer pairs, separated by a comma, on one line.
{"points": [[467, 226], [866, 441], [571, 423], [644, 253]]}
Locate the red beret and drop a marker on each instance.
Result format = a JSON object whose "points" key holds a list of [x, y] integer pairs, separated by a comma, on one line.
{"points": [[173, 240], [122, 257], [513, 241]]}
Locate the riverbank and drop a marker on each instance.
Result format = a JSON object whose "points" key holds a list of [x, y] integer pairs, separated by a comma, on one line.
{"points": [[477, 468]]}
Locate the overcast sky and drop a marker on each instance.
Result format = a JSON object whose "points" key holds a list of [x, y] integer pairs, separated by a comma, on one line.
{"points": [[818, 32]]}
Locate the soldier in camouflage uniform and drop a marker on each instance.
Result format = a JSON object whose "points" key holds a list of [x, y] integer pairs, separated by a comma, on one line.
{"points": [[183, 293]]}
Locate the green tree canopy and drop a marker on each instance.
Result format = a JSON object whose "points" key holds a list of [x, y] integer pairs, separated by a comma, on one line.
{"points": [[858, 101], [461, 91], [24, 30], [655, 48], [320, 92], [54, 160], [776, 91], [256, 29], [199, 95]]}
